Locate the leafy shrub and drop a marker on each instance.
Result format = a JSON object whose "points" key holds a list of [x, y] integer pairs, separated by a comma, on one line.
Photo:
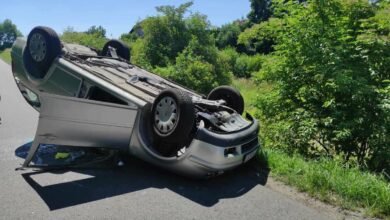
{"points": [[260, 38], [227, 35], [181, 48], [241, 65], [93, 39], [328, 70], [246, 65], [229, 55], [198, 67]]}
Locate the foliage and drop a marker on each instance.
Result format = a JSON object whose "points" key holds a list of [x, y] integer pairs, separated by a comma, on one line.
{"points": [[229, 55], [6, 55], [249, 90], [241, 65], [97, 30], [260, 10], [246, 65], [94, 37], [135, 33], [181, 48], [165, 36], [227, 35], [330, 74], [330, 180], [8, 34], [333, 182], [260, 37], [198, 67]]}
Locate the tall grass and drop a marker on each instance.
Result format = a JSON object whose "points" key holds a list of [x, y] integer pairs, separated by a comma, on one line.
{"points": [[332, 182], [250, 91]]}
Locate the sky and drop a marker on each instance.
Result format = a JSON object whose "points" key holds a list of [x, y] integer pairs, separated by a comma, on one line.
{"points": [[116, 16]]}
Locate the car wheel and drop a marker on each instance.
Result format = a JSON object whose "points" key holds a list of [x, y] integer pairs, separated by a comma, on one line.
{"points": [[122, 50], [173, 118], [231, 95], [43, 46]]}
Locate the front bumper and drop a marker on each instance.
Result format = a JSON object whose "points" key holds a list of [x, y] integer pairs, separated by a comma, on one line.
{"points": [[209, 153], [220, 152]]}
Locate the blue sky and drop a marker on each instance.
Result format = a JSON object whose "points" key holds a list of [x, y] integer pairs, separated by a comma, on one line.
{"points": [[117, 16]]}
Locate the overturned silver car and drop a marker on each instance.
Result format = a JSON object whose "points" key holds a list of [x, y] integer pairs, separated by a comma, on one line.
{"points": [[90, 98]]}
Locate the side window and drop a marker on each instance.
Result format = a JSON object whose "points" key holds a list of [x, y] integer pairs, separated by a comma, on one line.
{"points": [[62, 83], [98, 94]]}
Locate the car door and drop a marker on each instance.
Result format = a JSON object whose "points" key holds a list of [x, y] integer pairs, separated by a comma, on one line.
{"points": [[71, 121]]}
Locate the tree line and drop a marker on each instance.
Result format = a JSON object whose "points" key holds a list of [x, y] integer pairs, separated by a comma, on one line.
{"points": [[8, 34]]}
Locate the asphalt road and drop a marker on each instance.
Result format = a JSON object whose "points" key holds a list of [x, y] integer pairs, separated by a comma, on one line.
{"points": [[135, 191]]}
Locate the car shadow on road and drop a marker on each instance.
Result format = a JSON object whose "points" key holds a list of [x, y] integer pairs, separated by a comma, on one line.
{"points": [[137, 175]]}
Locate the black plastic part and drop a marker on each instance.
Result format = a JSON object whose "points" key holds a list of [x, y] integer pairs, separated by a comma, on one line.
{"points": [[231, 95], [122, 50], [39, 69]]}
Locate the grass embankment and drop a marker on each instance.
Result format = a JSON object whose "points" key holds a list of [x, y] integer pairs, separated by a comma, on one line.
{"points": [[325, 179], [6, 55]]}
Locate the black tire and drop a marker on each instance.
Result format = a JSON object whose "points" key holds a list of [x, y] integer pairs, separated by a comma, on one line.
{"points": [[231, 95], [122, 50], [49, 48], [179, 134]]}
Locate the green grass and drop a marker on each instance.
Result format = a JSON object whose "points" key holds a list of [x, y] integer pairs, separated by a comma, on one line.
{"points": [[250, 92], [6, 55], [333, 183], [325, 179]]}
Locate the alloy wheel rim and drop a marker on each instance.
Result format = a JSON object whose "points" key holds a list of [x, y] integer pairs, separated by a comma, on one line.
{"points": [[165, 116], [38, 47]]}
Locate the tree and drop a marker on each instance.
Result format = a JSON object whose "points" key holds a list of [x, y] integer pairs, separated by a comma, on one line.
{"points": [[181, 48], [227, 35], [260, 11], [97, 30], [164, 36], [8, 34], [260, 38]]}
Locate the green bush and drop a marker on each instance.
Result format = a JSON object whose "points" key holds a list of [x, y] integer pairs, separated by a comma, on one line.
{"points": [[227, 35], [241, 65], [198, 67], [93, 39], [330, 72], [260, 38], [246, 65], [229, 56], [181, 49]]}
